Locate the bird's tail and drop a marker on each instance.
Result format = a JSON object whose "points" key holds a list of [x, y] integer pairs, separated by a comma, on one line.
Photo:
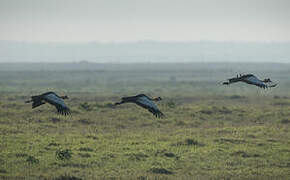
{"points": [[118, 103], [29, 101], [33, 98]]}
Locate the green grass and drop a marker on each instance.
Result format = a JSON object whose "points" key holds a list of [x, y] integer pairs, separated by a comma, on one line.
{"points": [[209, 132], [203, 138]]}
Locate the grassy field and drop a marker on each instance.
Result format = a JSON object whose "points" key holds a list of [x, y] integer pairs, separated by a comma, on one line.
{"points": [[210, 131]]}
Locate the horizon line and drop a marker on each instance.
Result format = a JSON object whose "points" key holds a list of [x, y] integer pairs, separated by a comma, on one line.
{"points": [[117, 63], [149, 41]]}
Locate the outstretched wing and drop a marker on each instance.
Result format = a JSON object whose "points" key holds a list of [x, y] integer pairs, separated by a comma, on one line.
{"points": [[37, 103], [58, 103], [232, 80], [255, 81], [148, 104]]}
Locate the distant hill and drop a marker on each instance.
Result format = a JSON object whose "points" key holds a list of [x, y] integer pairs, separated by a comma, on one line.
{"points": [[211, 68], [145, 51]]}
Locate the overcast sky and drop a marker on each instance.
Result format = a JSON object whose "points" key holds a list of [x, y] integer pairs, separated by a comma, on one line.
{"points": [[131, 20]]}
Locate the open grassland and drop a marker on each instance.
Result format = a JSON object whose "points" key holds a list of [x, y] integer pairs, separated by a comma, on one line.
{"points": [[210, 131]]}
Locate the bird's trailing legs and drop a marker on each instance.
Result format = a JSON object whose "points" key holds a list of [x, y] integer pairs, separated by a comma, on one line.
{"points": [[118, 103]]}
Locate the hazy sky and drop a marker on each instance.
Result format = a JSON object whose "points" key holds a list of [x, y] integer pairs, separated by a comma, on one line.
{"points": [[131, 20]]}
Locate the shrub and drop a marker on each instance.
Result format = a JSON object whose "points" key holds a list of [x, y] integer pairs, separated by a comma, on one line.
{"points": [[171, 104], [63, 154], [285, 121], [86, 106], [32, 160], [169, 154], [86, 149], [188, 142], [67, 177], [138, 156], [84, 155], [55, 120], [158, 170], [3, 171]]}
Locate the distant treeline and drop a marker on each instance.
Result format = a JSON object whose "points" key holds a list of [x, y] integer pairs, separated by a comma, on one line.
{"points": [[161, 78]]}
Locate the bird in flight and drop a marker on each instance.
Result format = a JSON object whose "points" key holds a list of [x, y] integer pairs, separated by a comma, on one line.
{"points": [[145, 102], [251, 79], [51, 98]]}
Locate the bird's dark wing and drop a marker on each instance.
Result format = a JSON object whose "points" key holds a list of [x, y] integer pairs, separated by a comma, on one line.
{"points": [[148, 104], [58, 103], [255, 81], [232, 80], [37, 103], [128, 98]]}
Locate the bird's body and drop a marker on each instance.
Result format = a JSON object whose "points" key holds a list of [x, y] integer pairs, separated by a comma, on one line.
{"points": [[51, 98], [145, 102], [250, 79]]}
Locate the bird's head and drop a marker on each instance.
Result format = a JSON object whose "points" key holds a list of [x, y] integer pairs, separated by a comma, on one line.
{"points": [[267, 80], [158, 99], [64, 97]]}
